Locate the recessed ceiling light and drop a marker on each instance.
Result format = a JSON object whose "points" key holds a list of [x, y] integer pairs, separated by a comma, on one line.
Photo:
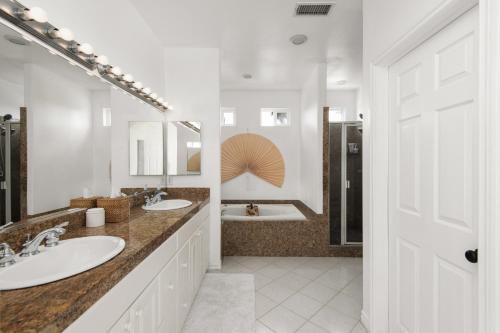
{"points": [[298, 39], [247, 76]]}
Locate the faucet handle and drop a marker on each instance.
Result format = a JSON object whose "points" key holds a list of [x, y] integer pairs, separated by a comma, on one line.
{"points": [[53, 236], [7, 255], [62, 225]]}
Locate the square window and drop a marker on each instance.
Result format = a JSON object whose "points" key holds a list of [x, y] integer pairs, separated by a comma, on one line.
{"points": [[228, 117], [336, 114], [271, 117]]}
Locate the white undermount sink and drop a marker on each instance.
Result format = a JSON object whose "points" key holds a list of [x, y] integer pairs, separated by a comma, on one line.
{"points": [[168, 205], [69, 258]]}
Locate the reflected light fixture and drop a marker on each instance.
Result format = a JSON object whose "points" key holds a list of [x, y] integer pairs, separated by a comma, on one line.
{"points": [[137, 85], [33, 14], [153, 96], [85, 48], [102, 60], [128, 78], [62, 33], [146, 91], [116, 71]]}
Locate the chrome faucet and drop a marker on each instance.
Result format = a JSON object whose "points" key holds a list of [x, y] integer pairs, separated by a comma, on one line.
{"points": [[51, 237], [7, 255], [155, 199]]}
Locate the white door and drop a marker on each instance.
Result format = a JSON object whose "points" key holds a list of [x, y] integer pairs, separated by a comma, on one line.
{"points": [[433, 183]]}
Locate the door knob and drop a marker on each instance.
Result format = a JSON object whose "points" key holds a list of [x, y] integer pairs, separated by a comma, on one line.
{"points": [[471, 256]]}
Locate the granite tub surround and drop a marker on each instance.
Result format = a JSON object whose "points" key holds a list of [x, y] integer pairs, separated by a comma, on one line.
{"points": [[54, 306], [304, 238]]}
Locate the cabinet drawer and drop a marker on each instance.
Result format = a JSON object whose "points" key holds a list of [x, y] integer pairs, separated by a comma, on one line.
{"points": [[187, 230]]}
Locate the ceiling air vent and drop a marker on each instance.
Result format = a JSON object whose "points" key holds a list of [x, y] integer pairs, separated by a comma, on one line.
{"points": [[313, 8]]}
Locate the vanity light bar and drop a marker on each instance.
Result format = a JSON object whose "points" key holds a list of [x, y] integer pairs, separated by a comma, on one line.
{"points": [[34, 21]]}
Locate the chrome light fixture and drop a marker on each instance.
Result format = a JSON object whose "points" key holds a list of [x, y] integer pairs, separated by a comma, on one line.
{"points": [[34, 22]]}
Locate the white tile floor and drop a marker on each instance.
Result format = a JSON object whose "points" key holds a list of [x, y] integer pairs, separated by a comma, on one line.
{"points": [[305, 295]]}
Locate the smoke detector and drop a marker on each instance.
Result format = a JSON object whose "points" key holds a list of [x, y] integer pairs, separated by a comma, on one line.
{"points": [[16, 40], [298, 39], [321, 8]]}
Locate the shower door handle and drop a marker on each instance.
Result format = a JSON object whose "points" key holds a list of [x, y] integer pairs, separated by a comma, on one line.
{"points": [[347, 184]]}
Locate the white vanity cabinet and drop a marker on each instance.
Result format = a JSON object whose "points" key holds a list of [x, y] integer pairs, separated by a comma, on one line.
{"points": [[157, 295]]}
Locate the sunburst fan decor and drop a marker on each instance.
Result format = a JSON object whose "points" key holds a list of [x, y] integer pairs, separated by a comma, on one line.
{"points": [[255, 154], [194, 163]]}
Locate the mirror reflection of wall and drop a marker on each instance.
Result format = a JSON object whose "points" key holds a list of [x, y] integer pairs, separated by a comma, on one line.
{"points": [[184, 148], [146, 148], [66, 139]]}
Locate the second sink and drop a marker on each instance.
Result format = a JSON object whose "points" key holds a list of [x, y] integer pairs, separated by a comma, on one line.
{"points": [[168, 205]]}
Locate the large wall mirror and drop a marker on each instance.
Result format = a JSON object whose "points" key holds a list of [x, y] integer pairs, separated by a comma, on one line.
{"points": [[184, 148], [55, 130], [146, 148]]}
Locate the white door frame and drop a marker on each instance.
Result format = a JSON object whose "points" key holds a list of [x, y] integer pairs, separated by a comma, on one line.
{"points": [[376, 156]]}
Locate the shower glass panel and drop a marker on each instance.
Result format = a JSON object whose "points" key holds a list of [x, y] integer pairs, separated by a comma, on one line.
{"points": [[354, 179], [10, 177], [345, 183]]}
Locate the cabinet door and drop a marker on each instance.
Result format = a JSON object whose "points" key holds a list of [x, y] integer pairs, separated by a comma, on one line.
{"points": [[197, 259], [205, 240], [185, 283], [167, 313], [145, 310], [123, 325]]}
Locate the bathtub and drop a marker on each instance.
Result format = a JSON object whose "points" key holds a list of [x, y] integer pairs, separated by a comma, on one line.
{"points": [[267, 212]]}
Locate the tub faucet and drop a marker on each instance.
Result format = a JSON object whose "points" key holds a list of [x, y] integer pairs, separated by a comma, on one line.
{"points": [[51, 237]]}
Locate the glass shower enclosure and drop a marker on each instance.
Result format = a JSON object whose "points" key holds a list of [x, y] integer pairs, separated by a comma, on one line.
{"points": [[10, 177], [345, 183]]}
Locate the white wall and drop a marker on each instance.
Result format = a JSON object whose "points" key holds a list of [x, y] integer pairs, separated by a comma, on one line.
{"points": [[313, 99], [101, 148], [247, 104], [345, 99], [11, 87], [59, 139], [192, 79]]}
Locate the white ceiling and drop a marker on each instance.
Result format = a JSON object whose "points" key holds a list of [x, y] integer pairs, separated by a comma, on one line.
{"points": [[253, 36]]}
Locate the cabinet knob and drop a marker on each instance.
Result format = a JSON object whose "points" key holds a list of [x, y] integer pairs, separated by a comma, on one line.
{"points": [[171, 287], [127, 327], [185, 305], [184, 265]]}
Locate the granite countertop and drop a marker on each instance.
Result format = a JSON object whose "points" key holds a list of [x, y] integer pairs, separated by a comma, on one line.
{"points": [[53, 307]]}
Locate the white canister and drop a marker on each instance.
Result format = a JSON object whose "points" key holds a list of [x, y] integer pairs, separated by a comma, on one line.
{"points": [[95, 217]]}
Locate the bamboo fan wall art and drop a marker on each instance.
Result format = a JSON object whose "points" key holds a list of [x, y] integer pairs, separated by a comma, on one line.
{"points": [[255, 154], [194, 163]]}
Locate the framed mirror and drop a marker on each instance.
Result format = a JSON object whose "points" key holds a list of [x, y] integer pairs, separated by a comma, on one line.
{"points": [[146, 148], [184, 148]]}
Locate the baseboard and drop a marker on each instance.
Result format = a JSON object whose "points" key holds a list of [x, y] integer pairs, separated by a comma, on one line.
{"points": [[365, 321], [216, 267]]}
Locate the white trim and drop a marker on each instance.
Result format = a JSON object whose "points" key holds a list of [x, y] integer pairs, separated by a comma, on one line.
{"points": [[375, 212], [489, 235], [365, 321]]}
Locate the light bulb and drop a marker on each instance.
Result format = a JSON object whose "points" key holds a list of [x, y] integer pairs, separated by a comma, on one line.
{"points": [[36, 14], [85, 48], [116, 71], [160, 100], [137, 85], [101, 60], [147, 90], [63, 33], [128, 78], [153, 96]]}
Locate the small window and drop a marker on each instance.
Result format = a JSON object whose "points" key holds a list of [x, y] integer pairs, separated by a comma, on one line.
{"points": [[228, 117], [193, 144], [336, 114], [106, 117], [274, 117]]}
